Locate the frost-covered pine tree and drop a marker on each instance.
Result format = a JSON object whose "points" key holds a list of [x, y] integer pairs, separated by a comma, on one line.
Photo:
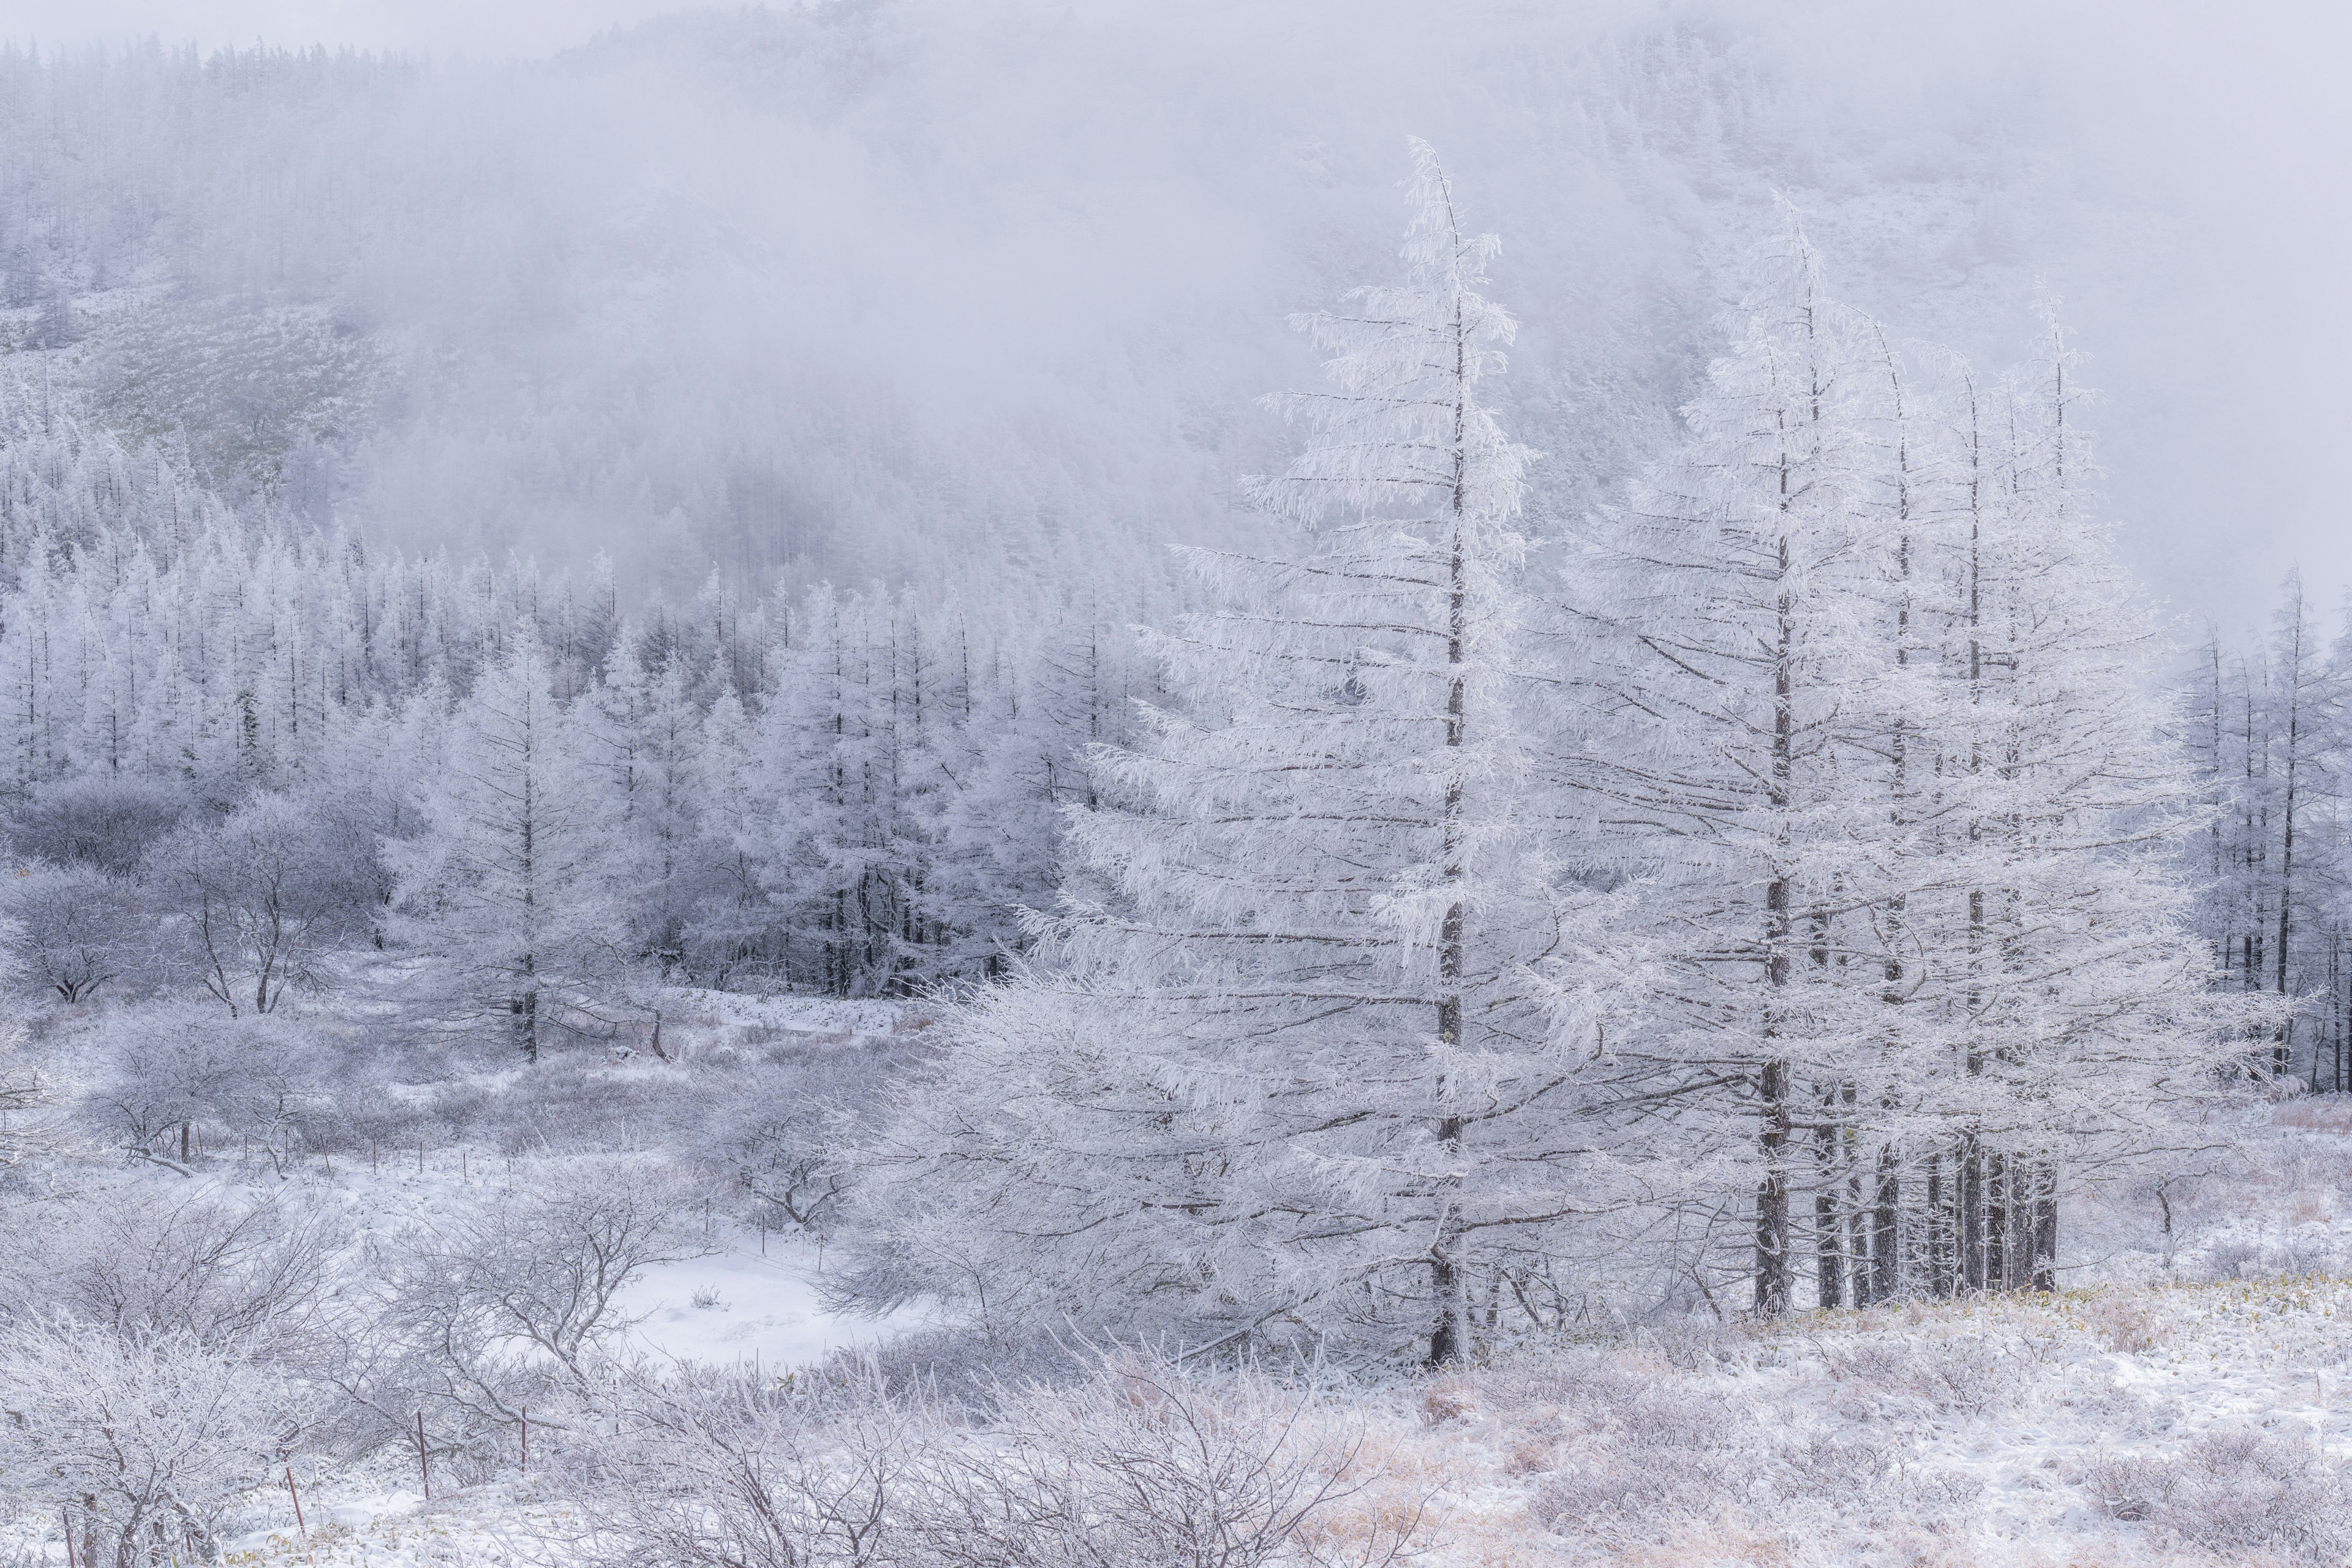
{"points": [[643, 739], [1737, 607], [1904, 807], [1288, 1066], [508, 889], [2082, 995]]}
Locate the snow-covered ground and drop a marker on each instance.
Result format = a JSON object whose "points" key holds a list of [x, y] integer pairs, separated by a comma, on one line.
{"points": [[2174, 1425], [742, 1307]]}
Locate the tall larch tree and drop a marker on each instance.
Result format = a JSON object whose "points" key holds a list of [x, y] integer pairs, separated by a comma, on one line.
{"points": [[1290, 1066]]}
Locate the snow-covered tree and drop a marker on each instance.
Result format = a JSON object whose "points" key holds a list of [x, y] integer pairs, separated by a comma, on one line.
{"points": [[259, 897], [1296, 1069], [1882, 745], [150, 1437], [508, 889]]}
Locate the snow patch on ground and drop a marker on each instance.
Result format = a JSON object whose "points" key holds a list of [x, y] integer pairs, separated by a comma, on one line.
{"points": [[693, 1008], [741, 1307]]}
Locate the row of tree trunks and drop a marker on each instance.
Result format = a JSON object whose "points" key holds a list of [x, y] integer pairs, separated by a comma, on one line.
{"points": [[1954, 1222]]}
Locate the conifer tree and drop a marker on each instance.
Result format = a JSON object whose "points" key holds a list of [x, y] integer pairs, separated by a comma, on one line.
{"points": [[508, 889], [1295, 1070]]}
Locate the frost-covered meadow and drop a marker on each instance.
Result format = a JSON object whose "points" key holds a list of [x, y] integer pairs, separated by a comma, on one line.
{"points": [[2185, 1404]]}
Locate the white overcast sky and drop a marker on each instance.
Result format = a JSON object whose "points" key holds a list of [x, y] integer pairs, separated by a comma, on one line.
{"points": [[2223, 335], [480, 28]]}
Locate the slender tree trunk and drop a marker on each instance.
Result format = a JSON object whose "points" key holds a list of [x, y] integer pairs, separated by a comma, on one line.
{"points": [[1773, 1262], [1885, 1261], [1941, 1241], [1972, 1218], [1996, 1223], [1449, 1338], [2046, 1226], [1829, 1228]]}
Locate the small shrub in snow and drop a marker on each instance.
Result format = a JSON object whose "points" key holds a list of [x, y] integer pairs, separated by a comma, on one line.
{"points": [[960, 1365], [2128, 1325], [260, 896], [226, 1274], [708, 1472], [148, 1438], [1141, 1466], [106, 821], [1975, 1375], [1146, 1465], [513, 1302], [254, 1085], [2237, 1494], [71, 930]]}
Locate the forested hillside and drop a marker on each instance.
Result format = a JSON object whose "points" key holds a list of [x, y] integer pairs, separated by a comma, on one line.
{"points": [[944, 291]]}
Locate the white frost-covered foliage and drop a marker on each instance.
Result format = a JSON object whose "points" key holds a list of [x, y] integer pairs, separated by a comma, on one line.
{"points": [[148, 1438], [223, 743], [1140, 1462], [511, 887], [1304, 1068], [508, 1304], [1875, 719]]}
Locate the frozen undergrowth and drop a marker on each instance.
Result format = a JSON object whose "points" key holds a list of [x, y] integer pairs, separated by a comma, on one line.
{"points": [[2165, 1424], [2190, 1407]]}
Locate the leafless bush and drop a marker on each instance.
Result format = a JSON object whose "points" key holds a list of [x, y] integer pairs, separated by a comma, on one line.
{"points": [[1139, 1466], [141, 1262], [2128, 1324], [254, 1081], [1145, 1468], [1972, 1376], [71, 929], [781, 1145], [719, 1472], [1625, 1448], [149, 1437], [259, 895], [2235, 1493], [105, 821], [962, 1366], [514, 1302], [1649, 1449]]}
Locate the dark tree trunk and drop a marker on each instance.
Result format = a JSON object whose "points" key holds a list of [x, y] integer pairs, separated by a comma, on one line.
{"points": [[1886, 1264], [2046, 1226]]}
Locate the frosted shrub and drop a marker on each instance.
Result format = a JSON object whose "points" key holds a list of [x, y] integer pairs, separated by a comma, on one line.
{"points": [[713, 1472], [147, 1437], [2129, 1325], [105, 821], [1141, 1466], [71, 929], [1971, 1376], [260, 898], [255, 1082], [1647, 1451], [2236, 1493], [1147, 1467], [139, 1262], [513, 1302]]}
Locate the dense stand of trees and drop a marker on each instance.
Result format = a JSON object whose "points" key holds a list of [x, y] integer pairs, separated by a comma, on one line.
{"points": [[847, 791], [2265, 723], [1788, 886], [1788, 882]]}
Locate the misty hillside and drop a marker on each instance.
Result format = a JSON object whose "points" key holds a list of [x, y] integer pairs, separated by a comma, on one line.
{"points": [[877, 291]]}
